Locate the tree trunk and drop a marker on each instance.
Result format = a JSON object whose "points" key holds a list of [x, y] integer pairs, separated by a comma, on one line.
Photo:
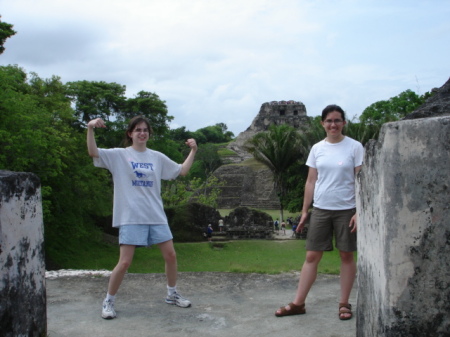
{"points": [[281, 214]]}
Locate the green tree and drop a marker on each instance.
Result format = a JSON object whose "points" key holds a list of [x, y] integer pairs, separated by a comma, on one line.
{"points": [[207, 191], [149, 105], [181, 134], [173, 150], [362, 132], [37, 135], [314, 132], [182, 191], [278, 149], [6, 31], [295, 180], [175, 192], [207, 161], [392, 109], [210, 134], [96, 99], [216, 134], [33, 123]]}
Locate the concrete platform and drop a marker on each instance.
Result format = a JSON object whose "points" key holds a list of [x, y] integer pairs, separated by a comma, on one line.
{"points": [[223, 304]]}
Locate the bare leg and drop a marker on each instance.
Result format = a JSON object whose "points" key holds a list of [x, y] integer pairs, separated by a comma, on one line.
{"points": [[348, 274], [307, 277], [125, 259], [170, 257]]}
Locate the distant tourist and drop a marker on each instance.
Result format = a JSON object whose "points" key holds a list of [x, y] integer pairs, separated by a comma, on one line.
{"points": [[209, 232], [277, 225], [333, 164], [138, 209], [283, 228], [289, 221], [220, 225]]}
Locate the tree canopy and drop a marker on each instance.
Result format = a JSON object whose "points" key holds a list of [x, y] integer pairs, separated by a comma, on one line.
{"points": [[42, 130], [6, 31], [96, 99], [392, 109], [210, 134]]}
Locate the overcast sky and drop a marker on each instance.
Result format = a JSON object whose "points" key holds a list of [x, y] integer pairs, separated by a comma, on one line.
{"points": [[217, 61]]}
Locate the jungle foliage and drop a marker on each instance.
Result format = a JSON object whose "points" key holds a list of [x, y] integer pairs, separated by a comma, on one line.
{"points": [[6, 31], [43, 131]]}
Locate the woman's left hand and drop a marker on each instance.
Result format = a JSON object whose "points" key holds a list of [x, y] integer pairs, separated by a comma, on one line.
{"points": [[192, 143]]}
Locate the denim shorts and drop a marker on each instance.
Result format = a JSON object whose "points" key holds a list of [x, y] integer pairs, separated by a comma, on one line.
{"points": [[144, 235], [324, 223]]}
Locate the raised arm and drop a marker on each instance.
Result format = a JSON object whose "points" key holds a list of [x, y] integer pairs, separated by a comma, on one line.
{"points": [[186, 166], [91, 143]]}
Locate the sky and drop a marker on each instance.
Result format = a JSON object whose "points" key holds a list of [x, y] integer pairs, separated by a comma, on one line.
{"points": [[218, 61]]}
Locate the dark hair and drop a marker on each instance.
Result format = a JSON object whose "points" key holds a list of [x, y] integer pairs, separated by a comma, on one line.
{"points": [[331, 108], [132, 125]]}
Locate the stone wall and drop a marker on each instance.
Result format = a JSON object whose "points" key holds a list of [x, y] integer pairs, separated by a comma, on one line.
{"points": [[404, 231], [245, 186], [188, 222], [22, 266], [246, 223], [436, 105]]}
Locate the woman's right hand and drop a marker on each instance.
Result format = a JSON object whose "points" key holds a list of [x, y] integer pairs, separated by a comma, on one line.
{"points": [[96, 123], [301, 224], [91, 144]]}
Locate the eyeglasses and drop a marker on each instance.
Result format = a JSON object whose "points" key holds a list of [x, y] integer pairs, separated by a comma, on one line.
{"points": [[335, 121], [141, 130]]}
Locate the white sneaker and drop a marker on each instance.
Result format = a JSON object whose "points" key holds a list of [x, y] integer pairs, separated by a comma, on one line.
{"points": [[108, 311], [178, 300]]}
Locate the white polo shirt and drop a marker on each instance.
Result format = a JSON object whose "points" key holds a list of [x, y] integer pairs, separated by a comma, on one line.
{"points": [[335, 164]]}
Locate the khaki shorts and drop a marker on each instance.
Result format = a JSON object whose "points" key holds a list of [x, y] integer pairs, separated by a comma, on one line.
{"points": [[324, 223]]}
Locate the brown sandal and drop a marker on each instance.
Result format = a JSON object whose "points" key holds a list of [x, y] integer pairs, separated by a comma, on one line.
{"points": [[294, 310], [347, 310]]}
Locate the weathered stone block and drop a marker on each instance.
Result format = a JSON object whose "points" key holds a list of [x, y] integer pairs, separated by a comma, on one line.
{"points": [[404, 231], [22, 264], [247, 187]]}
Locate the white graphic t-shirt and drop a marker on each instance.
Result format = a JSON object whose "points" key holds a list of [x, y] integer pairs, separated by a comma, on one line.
{"points": [[137, 184]]}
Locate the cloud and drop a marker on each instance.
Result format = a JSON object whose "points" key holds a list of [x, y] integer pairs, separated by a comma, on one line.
{"points": [[218, 61]]}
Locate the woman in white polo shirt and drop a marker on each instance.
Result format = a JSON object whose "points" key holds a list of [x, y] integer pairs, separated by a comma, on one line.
{"points": [[330, 187]]}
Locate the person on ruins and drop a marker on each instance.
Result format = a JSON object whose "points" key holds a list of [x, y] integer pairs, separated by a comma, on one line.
{"points": [[138, 209], [330, 187]]}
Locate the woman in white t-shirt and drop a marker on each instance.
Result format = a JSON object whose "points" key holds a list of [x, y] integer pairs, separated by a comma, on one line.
{"points": [[330, 187], [138, 209]]}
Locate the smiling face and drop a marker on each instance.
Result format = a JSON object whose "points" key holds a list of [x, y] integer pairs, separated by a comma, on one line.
{"points": [[140, 135], [333, 125]]}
